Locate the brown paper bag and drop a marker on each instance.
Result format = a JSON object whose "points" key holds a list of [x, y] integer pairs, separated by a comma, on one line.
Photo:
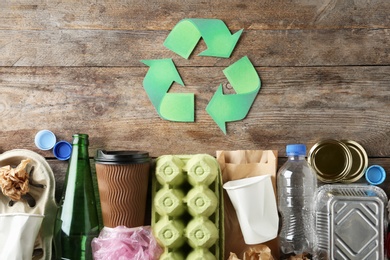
{"points": [[237, 165]]}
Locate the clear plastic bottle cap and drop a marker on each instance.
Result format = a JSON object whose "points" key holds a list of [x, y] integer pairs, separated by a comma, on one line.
{"points": [[296, 149], [375, 174], [62, 150], [45, 140]]}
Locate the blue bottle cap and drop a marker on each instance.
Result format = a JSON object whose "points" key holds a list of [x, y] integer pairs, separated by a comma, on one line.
{"points": [[296, 149], [45, 140], [375, 174], [62, 150]]}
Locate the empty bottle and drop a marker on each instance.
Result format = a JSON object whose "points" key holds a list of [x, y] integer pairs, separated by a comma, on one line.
{"points": [[77, 219], [297, 184]]}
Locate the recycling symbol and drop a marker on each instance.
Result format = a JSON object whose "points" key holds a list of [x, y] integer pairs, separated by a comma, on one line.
{"points": [[180, 107]]}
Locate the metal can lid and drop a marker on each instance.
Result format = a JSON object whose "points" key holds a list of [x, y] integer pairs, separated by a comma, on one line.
{"points": [[359, 161], [331, 159]]}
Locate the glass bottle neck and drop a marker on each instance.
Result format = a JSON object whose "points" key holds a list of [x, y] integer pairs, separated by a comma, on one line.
{"points": [[80, 146], [80, 139]]}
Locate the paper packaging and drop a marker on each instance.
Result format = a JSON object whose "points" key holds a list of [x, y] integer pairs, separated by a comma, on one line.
{"points": [[17, 236], [237, 165], [42, 189]]}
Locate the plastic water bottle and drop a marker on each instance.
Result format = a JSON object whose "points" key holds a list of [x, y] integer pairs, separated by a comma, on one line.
{"points": [[297, 184]]}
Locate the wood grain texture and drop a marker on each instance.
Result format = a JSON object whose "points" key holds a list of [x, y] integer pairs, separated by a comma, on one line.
{"points": [[156, 15], [104, 48], [294, 104]]}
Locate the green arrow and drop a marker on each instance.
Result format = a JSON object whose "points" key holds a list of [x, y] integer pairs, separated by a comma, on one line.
{"points": [[186, 34], [170, 106], [232, 107]]}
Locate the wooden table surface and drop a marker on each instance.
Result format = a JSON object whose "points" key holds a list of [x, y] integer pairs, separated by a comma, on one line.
{"points": [[74, 67]]}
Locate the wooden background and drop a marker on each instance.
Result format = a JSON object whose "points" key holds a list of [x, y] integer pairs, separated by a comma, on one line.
{"points": [[74, 67]]}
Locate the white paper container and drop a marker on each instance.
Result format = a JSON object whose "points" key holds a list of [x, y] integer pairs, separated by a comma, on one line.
{"points": [[254, 200], [18, 234]]}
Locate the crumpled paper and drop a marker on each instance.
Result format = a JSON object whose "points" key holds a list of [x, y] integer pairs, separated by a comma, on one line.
{"points": [[122, 243], [258, 252], [14, 181]]}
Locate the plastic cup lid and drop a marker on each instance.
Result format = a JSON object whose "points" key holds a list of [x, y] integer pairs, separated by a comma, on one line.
{"points": [[375, 174], [121, 157], [62, 150], [45, 140]]}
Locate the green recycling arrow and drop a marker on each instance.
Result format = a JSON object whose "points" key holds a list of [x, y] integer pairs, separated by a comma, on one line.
{"points": [[232, 107], [170, 106], [186, 34], [220, 43]]}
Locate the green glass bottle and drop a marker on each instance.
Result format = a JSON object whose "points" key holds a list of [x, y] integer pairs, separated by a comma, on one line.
{"points": [[77, 219]]}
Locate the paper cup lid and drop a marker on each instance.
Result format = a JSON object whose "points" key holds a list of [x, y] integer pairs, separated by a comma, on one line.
{"points": [[45, 140], [62, 150], [375, 174]]}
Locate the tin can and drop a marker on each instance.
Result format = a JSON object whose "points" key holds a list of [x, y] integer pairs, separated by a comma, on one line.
{"points": [[331, 159], [359, 161]]}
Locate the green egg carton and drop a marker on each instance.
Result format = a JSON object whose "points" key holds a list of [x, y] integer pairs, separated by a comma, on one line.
{"points": [[187, 207]]}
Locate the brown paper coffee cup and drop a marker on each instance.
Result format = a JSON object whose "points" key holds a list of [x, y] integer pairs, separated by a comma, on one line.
{"points": [[123, 185]]}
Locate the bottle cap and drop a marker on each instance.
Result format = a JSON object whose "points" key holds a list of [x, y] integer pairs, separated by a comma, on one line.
{"points": [[45, 140], [296, 149], [375, 174], [121, 157], [62, 150], [331, 159]]}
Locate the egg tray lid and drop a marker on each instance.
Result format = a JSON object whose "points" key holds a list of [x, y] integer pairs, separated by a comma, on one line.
{"points": [[350, 221], [187, 207]]}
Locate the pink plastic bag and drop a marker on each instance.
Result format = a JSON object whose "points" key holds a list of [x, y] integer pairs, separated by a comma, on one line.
{"points": [[122, 243]]}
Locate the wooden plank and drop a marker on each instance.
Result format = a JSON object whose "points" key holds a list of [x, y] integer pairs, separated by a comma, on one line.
{"points": [[163, 15], [295, 104], [127, 48]]}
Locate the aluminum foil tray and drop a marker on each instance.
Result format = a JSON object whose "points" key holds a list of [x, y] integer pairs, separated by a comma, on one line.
{"points": [[350, 222]]}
